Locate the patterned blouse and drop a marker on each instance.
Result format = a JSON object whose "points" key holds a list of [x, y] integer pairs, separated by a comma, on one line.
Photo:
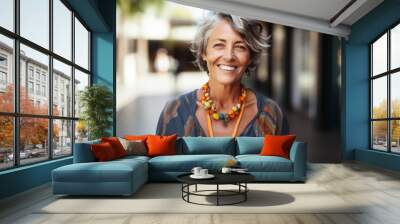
{"points": [[178, 117]]}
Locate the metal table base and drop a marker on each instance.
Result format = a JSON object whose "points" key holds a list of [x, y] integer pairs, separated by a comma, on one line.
{"points": [[241, 191]]}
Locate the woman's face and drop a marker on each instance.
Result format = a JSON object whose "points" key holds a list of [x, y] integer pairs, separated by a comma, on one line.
{"points": [[227, 54]]}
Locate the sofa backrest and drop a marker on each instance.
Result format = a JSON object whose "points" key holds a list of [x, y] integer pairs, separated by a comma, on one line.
{"points": [[83, 153], [205, 145], [190, 146], [249, 145]]}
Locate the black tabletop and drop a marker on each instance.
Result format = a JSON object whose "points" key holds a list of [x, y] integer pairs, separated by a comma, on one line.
{"points": [[220, 178]]}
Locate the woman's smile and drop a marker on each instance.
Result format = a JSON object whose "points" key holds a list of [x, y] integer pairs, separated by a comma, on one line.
{"points": [[228, 68]]}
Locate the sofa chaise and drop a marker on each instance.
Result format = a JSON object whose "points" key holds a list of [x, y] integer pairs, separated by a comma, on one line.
{"points": [[125, 176]]}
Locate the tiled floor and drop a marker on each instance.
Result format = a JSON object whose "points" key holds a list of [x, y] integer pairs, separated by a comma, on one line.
{"points": [[378, 189]]}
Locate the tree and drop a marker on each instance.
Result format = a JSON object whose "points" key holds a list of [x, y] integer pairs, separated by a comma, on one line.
{"points": [[96, 102], [33, 131], [81, 129], [396, 123], [6, 122], [380, 127]]}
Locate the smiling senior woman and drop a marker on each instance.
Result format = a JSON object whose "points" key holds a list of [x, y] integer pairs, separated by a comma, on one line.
{"points": [[227, 47]]}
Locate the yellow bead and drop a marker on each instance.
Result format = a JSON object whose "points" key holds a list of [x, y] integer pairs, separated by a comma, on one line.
{"points": [[234, 108], [215, 116]]}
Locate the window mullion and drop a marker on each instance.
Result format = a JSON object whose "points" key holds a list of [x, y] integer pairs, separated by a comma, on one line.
{"points": [[73, 82], [50, 81], [371, 89], [389, 76], [16, 84]]}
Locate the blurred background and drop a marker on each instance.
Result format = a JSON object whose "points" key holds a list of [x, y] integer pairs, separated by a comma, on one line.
{"points": [[301, 71]]}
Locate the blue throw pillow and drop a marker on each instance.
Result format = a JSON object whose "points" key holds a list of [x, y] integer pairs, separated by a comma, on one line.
{"points": [[206, 145], [249, 145]]}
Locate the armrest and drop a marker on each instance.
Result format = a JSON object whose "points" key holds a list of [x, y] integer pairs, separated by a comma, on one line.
{"points": [[83, 152], [298, 155]]}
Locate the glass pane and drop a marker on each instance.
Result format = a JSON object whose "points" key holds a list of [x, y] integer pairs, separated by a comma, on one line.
{"points": [[379, 55], [62, 89], [6, 74], [33, 139], [62, 138], [34, 97], [379, 97], [6, 142], [7, 14], [395, 94], [379, 135], [35, 21], [395, 136], [81, 131], [81, 81], [395, 47], [81, 45], [62, 29]]}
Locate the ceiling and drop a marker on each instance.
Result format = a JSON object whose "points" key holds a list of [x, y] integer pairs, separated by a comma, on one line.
{"points": [[333, 17]]}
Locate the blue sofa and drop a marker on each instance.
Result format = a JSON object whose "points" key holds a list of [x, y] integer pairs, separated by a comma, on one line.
{"points": [[125, 176]]}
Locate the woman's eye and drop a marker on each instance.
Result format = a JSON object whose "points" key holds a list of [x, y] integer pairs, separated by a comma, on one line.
{"points": [[218, 45], [241, 47]]}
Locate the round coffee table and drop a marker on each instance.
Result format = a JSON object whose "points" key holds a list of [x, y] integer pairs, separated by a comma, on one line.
{"points": [[238, 179]]}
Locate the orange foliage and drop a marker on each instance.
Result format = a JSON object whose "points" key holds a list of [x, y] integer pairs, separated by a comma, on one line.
{"points": [[34, 130]]}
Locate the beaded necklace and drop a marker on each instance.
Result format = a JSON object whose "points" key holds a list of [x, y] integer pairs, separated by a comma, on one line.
{"points": [[209, 106]]}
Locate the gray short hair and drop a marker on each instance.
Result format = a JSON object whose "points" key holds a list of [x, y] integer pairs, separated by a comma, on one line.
{"points": [[252, 32]]}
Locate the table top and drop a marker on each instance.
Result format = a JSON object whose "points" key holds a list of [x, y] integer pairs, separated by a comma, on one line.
{"points": [[220, 178]]}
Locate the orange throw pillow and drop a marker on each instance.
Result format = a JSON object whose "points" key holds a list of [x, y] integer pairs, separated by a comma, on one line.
{"points": [[277, 145], [161, 145], [103, 152], [116, 145]]}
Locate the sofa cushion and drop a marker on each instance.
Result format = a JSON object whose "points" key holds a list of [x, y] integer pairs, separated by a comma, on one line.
{"points": [[142, 138], [249, 145], [103, 152], [159, 145], [277, 145], [116, 145], [206, 145], [185, 163], [134, 157], [257, 163], [111, 171], [134, 147]]}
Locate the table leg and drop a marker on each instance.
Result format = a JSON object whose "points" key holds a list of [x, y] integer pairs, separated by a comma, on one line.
{"points": [[182, 188], [188, 190], [196, 188], [245, 193], [217, 194]]}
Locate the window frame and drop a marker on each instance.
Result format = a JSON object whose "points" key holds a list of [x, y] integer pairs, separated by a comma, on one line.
{"points": [[388, 74], [16, 115]]}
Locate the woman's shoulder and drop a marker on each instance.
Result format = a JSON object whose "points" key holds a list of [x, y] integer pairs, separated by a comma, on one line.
{"points": [[185, 101], [270, 119], [268, 105]]}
